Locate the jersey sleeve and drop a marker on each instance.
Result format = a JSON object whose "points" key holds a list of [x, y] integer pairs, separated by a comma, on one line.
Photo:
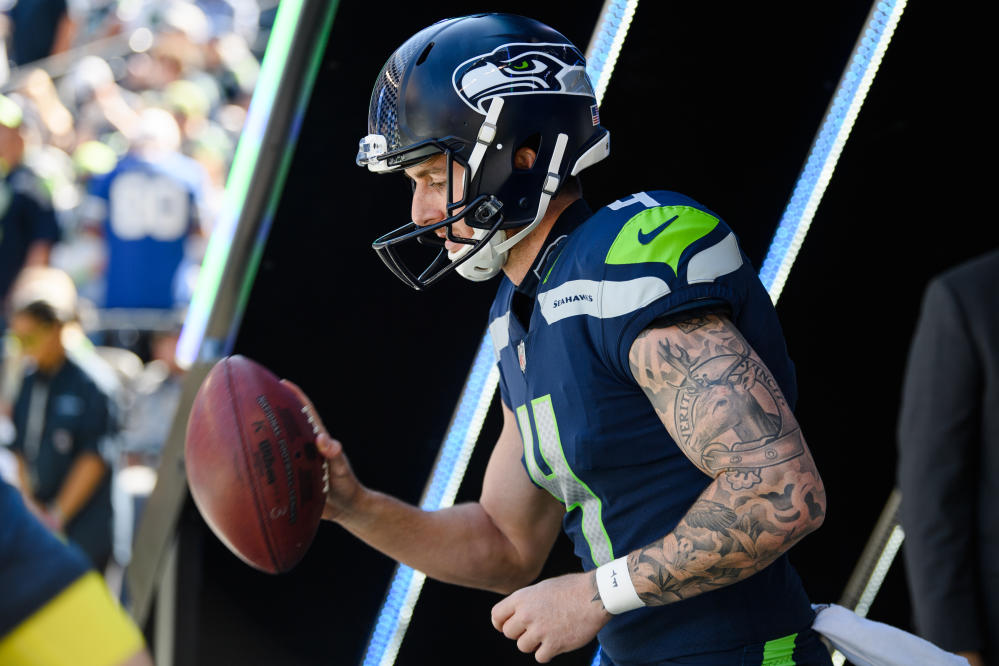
{"points": [[665, 260]]}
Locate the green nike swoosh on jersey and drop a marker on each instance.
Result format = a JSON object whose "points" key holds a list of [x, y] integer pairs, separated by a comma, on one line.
{"points": [[651, 236]]}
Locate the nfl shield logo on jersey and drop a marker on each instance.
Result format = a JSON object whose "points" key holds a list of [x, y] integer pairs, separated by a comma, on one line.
{"points": [[522, 356]]}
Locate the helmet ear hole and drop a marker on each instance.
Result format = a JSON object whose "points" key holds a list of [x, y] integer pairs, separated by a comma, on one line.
{"points": [[522, 162]]}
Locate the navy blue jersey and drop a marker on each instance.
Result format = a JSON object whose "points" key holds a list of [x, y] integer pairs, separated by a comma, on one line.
{"points": [[34, 565], [26, 217], [75, 419], [591, 436], [35, 26]]}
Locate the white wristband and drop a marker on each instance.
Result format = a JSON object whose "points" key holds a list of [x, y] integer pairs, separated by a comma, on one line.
{"points": [[615, 587]]}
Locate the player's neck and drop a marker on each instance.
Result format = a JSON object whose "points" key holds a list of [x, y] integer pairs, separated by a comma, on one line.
{"points": [[523, 254]]}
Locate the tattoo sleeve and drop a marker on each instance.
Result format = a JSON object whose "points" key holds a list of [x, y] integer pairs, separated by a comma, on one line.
{"points": [[725, 411]]}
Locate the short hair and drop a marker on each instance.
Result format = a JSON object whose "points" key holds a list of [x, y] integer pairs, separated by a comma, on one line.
{"points": [[41, 311]]}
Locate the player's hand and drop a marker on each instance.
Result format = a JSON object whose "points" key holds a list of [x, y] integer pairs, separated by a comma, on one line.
{"points": [[45, 517], [342, 488], [555, 616]]}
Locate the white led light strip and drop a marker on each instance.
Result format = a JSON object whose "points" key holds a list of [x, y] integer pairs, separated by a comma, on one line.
{"points": [[880, 571], [881, 568], [605, 44], [452, 460], [833, 133], [404, 590]]}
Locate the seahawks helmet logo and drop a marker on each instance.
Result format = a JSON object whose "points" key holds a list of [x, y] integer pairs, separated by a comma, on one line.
{"points": [[522, 69]]}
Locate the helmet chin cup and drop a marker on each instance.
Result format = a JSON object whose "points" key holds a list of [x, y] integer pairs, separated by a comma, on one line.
{"points": [[486, 262]]}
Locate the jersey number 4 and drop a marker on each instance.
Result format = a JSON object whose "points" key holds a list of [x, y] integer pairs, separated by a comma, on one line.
{"points": [[562, 482]]}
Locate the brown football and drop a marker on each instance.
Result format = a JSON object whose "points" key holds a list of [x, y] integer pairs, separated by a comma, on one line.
{"points": [[252, 465]]}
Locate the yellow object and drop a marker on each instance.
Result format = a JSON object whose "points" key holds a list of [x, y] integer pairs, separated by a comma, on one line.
{"points": [[83, 626]]}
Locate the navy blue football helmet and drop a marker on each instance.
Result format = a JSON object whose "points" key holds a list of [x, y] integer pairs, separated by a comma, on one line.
{"points": [[476, 89]]}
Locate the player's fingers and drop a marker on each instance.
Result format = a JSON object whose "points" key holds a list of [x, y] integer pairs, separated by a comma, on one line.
{"points": [[528, 642], [310, 409], [514, 627], [329, 448], [501, 613], [547, 651]]}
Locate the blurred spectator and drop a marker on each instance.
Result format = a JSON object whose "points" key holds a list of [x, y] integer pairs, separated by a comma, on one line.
{"points": [[241, 17], [153, 197], [62, 419], [101, 107], [38, 28], [229, 60], [54, 119], [156, 394], [948, 439], [28, 226]]}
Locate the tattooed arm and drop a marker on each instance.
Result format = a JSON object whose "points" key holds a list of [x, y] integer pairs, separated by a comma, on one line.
{"points": [[725, 411]]}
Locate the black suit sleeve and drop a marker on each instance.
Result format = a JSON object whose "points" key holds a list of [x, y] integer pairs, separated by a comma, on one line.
{"points": [[939, 439]]}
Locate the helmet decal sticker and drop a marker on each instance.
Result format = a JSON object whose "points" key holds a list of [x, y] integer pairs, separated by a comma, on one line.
{"points": [[521, 69]]}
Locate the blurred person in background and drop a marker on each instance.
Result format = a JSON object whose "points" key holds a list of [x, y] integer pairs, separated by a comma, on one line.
{"points": [[49, 137], [63, 419], [948, 445], [28, 226], [155, 396], [55, 122], [36, 29], [178, 52], [100, 106], [152, 199], [241, 17], [229, 60]]}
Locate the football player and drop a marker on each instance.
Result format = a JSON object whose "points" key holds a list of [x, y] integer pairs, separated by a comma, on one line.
{"points": [[647, 392]]}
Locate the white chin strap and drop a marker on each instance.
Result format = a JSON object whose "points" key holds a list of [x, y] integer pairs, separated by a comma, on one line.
{"points": [[488, 260]]}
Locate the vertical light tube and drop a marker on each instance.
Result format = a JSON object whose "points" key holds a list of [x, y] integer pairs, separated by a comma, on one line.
{"points": [[605, 44], [449, 469], [829, 142], [279, 47], [480, 387], [288, 73]]}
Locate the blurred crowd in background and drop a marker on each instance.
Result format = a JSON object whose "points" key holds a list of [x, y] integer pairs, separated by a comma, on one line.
{"points": [[118, 123]]}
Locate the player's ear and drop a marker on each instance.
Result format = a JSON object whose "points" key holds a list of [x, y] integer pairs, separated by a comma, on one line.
{"points": [[524, 158]]}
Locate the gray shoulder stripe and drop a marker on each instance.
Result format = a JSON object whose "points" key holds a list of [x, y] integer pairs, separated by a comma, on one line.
{"points": [[720, 259], [499, 331], [604, 299]]}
